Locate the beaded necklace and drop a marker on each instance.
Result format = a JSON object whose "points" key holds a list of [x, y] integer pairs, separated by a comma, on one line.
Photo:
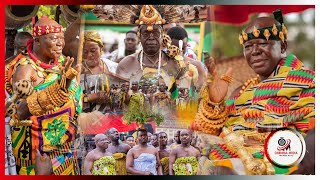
{"points": [[250, 83]]}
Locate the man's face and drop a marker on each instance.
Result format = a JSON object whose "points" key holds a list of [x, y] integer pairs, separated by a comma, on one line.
{"points": [[150, 40], [262, 55], [162, 87], [130, 141], [154, 141], [134, 85], [143, 137], [114, 134], [149, 137], [184, 45], [91, 53], [51, 45], [163, 139], [131, 42], [185, 137], [20, 45], [103, 142], [177, 137]]}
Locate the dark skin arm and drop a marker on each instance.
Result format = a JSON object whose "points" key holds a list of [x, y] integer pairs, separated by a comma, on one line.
{"points": [[172, 159], [43, 165], [126, 148], [88, 163], [123, 66]]}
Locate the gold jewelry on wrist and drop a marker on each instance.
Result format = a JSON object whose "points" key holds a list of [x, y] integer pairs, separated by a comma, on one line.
{"points": [[210, 78], [34, 106], [44, 101], [71, 73]]}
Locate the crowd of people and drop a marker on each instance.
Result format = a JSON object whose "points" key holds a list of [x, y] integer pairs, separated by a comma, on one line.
{"points": [[52, 99]]}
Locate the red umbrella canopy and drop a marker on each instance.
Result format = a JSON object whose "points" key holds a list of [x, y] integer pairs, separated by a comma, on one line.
{"points": [[239, 14]]}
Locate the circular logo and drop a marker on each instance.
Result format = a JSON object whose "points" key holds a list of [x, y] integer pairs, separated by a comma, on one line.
{"points": [[285, 147]]}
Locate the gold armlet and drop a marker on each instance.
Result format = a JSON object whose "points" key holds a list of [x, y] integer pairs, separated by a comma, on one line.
{"points": [[57, 95], [34, 106]]}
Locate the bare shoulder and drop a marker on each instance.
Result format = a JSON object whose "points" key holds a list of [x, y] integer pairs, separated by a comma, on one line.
{"points": [[132, 150], [90, 155], [195, 150], [125, 63], [23, 72], [126, 146]]}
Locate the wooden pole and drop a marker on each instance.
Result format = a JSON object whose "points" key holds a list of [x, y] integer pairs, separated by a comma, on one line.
{"points": [[81, 40]]}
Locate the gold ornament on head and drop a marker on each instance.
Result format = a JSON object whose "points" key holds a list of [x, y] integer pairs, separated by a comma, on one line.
{"points": [[274, 30], [245, 36], [255, 32], [241, 39], [149, 16], [284, 30], [266, 34], [281, 36]]}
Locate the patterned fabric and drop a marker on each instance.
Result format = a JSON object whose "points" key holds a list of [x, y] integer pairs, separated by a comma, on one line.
{"points": [[287, 97], [146, 162], [45, 29], [104, 166], [186, 166], [165, 165], [120, 163], [220, 151], [52, 133], [136, 103], [93, 36]]}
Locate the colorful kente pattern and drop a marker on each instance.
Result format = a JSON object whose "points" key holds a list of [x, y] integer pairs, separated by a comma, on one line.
{"points": [[220, 151], [286, 98], [52, 133]]}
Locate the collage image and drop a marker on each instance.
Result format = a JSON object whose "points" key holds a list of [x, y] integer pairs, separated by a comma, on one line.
{"points": [[159, 90]]}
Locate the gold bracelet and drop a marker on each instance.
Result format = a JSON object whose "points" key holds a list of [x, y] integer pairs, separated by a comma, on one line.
{"points": [[210, 78], [63, 82], [71, 73], [44, 101], [34, 106]]}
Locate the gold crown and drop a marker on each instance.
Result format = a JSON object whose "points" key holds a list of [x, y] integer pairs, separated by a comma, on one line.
{"points": [[274, 32], [149, 16]]}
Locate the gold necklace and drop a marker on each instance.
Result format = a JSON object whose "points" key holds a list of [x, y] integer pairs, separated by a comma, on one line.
{"points": [[250, 83]]}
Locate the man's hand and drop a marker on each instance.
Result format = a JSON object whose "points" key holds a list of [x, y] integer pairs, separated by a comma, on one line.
{"points": [[43, 165], [66, 66], [218, 88]]}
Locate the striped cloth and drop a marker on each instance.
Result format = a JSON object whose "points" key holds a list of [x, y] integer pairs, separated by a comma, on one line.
{"points": [[287, 98]]}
